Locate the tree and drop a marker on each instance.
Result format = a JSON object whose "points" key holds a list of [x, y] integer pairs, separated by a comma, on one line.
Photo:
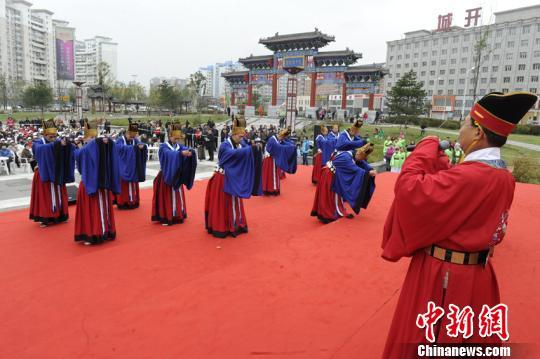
{"points": [[3, 90], [196, 82], [481, 51], [407, 96], [38, 95]]}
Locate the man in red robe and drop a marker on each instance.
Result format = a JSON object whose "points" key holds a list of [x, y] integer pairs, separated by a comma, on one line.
{"points": [[317, 157], [449, 220]]}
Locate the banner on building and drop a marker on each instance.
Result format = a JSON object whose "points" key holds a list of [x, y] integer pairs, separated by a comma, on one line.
{"points": [[65, 53]]}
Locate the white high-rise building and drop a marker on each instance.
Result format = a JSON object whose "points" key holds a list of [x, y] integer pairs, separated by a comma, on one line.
{"points": [[444, 60], [90, 53], [215, 84]]}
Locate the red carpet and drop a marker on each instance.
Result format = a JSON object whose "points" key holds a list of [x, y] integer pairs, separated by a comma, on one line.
{"points": [[291, 288]]}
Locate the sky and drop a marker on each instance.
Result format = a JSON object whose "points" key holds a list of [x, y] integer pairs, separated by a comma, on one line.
{"points": [[174, 38]]}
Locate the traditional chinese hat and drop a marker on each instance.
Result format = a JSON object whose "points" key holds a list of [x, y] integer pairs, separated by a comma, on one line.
{"points": [[285, 132], [49, 127], [239, 126], [90, 128], [323, 128], [500, 113], [367, 148], [175, 131], [133, 129]]}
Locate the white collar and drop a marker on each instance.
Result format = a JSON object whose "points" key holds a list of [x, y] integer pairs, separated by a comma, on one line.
{"points": [[486, 154], [348, 135], [175, 148]]}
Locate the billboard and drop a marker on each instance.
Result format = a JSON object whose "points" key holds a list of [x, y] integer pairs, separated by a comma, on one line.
{"points": [[65, 53]]}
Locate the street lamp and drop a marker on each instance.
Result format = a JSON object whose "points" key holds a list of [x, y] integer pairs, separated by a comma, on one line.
{"points": [[466, 89]]}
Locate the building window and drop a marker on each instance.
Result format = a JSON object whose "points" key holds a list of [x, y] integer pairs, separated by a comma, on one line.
{"points": [[496, 57], [451, 81], [537, 54], [524, 42], [391, 58], [441, 82], [465, 49], [430, 92], [432, 72], [537, 41], [434, 53], [407, 65], [444, 52], [461, 81], [534, 78], [450, 92], [507, 67], [466, 37], [532, 90], [453, 61], [408, 47], [482, 92], [526, 29], [522, 55], [483, 80], [520, 79], [442, 72], [425, 43], [506, 80], [452, 71], [408, 56], [445, 41], [443, 62], [521, 67], [512, 31], [416, 55], [485, 69], [460, 92], [462, 71], [455, 39], [454, 50], [439, 92], [433, 63], [423, 73], [400, 47], [416, 45], [493, 80], [424, 63], [415, 64], [424, 54], [499, 33], [509, 56], [497, 45], [398, 66], [389, 84], [398, 75], [510, 44], [431, 82], [464, 60], [399, 57], [536, 66], [518, 89], [435, 42]]}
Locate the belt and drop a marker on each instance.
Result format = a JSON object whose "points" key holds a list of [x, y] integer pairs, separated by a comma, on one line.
{"points": [[219, 170], [457, 257], [330, 165]]}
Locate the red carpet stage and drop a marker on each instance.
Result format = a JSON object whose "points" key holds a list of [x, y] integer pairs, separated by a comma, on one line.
{"points": [[291, 288]]}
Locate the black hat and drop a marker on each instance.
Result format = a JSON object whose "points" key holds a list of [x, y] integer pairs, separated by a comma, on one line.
{"points": [[500, 113]]}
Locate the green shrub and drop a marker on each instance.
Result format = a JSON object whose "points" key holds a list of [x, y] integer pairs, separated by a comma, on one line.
{"points": [[526, 170], [527, 130]]}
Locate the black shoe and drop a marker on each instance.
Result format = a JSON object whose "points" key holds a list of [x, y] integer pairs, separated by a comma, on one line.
{"points": [[350, 216]]}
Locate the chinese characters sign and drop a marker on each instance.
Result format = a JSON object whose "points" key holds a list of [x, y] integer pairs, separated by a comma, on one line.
{"points": [[491, 321], [471, 19]]}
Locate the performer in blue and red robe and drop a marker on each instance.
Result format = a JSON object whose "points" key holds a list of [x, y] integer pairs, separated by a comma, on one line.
{"points": [[349, 178], [318, 164], [178, 166], [56, 167], [280, 155], [97, 162], [449, 219], [132, 156], [237, 177]]}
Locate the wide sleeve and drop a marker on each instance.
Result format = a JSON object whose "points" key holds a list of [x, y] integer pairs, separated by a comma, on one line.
{"points": [[349, 180], [171, 162], [188, 169], [45, 156], [344, 144], [127, 165], [239, 167], [284, 154], [88, 165], [431, 201]]}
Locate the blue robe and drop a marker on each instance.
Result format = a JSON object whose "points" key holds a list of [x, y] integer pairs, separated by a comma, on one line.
{"points": [[239, 167], [284, 153], [176, 168], [132, 160], [56, 163], [327, 145], [346, 142], [97, 163], [352, 181]]}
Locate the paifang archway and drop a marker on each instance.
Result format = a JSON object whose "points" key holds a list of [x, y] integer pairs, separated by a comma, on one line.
{"points": [[299, 53]]}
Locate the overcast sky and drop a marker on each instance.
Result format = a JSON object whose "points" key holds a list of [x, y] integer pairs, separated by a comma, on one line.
{"points": [[175, 38]]}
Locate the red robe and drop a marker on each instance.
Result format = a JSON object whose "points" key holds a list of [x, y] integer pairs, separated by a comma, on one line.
{"points": [[462, 208], [271, 177], [317, 168], [168, 204], [128, 198], [48, 202], [328, 206]]}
